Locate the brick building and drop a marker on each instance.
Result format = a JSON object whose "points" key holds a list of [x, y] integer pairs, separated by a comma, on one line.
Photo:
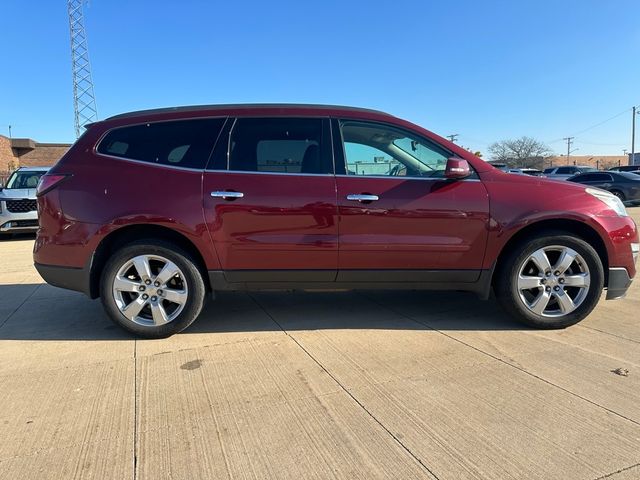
{"points": [[601, 162], [24, 152]]}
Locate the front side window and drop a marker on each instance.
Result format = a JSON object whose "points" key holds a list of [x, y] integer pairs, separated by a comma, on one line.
{"points": [[278, 145], [179, 143], [379, 150], [566, 170]]}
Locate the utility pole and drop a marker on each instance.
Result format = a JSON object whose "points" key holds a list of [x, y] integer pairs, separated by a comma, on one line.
{"points": [[453, 137], [569, 141], [9, 131], [632, 160]]}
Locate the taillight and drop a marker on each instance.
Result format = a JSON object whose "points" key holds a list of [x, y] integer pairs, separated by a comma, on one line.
{"points": [[47, 182]]}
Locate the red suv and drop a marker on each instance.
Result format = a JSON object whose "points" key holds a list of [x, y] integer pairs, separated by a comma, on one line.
{"points": [[152, 210]]}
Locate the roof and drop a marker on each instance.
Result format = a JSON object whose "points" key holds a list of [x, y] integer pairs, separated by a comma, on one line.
{"points": [[236, 107]]}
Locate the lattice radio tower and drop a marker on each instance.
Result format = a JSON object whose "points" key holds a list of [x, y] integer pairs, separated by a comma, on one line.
{"points": [[84, 101]]}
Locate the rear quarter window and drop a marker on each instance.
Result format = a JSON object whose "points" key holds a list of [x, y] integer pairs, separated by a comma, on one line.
{"points": [[179, 143]]}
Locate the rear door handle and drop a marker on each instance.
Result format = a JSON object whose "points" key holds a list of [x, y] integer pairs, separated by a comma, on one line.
{"points": [[227, 195], [362, 197]]}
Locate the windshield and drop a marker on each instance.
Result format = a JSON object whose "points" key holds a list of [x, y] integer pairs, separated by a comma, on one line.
{"points": [[23, 179], [629, 175]]}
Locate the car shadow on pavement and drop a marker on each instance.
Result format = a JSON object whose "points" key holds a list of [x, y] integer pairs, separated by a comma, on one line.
{"points": [[42, 312], [15, 237]]}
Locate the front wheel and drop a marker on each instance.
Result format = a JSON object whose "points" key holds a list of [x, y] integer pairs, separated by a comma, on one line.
{"points": [[551, 281], [152, 289]]}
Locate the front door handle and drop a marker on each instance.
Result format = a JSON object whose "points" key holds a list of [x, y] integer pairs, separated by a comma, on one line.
{"points": [[227, 195], [362, 197]]}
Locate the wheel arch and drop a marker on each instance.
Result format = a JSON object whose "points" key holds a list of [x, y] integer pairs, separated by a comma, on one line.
{"points": [[122, 236], [574, 227]]}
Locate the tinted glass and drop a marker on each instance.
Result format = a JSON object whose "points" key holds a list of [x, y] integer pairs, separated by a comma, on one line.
{"points": [[548, 170], [182, 143], [625, 176], [379, 150], [566, 170], [589, 177], [278, 145]]}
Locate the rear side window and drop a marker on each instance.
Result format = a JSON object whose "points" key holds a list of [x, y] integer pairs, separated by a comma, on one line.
{"points": [[588, 177], [179, 143], [566, 170], [279, 145]]}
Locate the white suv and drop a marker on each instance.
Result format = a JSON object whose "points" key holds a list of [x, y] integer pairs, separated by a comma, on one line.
{"points": [[562, 173], [18, 209]]}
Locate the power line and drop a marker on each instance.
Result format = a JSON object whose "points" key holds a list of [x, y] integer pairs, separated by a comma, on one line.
{"points": [[453, 137], [592, 126]]}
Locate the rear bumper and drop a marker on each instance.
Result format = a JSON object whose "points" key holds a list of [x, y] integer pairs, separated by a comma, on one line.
{"points": [[65, 277], [619, 283]]}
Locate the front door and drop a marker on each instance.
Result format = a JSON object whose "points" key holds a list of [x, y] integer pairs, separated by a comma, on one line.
{"points": [[270, 201], [400, 219]]}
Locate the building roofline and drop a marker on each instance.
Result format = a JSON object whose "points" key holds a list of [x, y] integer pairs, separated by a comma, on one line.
{"points": [[242, 106]]}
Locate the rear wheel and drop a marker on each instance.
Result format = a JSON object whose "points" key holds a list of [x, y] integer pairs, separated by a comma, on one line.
{"points": [[152, 288], [552, 281]]}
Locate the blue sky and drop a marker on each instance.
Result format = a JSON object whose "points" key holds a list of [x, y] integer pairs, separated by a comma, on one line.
{"points": [[485, 70]]}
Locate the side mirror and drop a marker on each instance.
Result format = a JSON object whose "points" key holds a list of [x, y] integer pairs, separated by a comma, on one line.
{"points": [[457, 168]]}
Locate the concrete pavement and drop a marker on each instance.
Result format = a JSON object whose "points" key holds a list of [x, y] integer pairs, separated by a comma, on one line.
{"points": [[313, 385]]}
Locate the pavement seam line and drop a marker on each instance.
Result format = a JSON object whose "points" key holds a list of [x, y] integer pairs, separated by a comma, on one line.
{"points": [[503, 361], [609, 475], [609, 333], [135, 408], [20, 306], [345, 390]]}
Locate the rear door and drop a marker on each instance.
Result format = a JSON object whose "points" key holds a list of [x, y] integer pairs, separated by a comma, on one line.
{"points": [[270, 201], [400, 220]]}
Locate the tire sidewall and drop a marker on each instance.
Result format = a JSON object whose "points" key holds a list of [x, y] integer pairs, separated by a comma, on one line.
{"points": [[509, 294], [192, 277]]}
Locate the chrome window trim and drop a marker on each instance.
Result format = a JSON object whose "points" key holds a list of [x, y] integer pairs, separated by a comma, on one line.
{"points": [[143, 162], [245, 172], [387, 177]]}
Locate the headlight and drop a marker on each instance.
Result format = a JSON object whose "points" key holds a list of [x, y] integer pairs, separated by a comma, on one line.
{"points": [[613, 202]]}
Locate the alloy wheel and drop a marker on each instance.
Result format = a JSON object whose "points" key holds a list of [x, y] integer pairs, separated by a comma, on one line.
{"points": [[150, 290], [553, 281]]}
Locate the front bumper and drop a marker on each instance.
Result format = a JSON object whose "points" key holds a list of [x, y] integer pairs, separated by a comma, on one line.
{"points": [[11, 222], [619, 283]]}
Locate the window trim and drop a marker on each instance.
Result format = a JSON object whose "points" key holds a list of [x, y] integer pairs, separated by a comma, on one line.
{"points": [[338, 124], [326, 137], [94, 149]]}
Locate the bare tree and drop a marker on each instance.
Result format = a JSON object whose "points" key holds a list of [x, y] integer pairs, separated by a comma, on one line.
{"points": [[523, 152]]}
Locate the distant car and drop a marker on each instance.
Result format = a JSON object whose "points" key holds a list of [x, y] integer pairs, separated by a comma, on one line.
{"points": [[500, 166], [625, 168], [527, 171], [624, 185], [18, 207], [564, 173]]}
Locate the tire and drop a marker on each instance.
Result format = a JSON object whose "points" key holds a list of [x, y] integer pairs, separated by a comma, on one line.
{"points": [[619, 194], [170, 307], [521, 303]]}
